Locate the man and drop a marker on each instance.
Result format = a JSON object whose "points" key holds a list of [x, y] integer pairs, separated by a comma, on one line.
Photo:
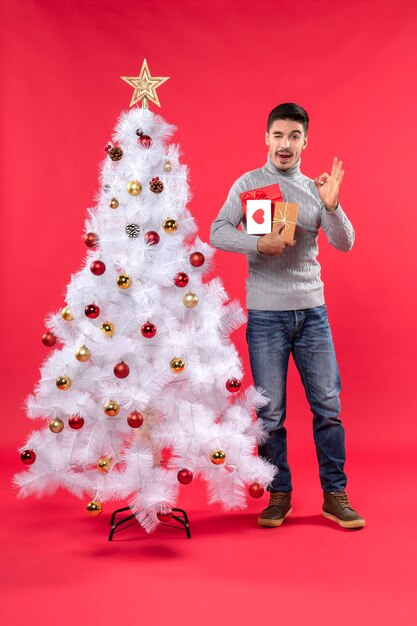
{"points": [[286, 310]]}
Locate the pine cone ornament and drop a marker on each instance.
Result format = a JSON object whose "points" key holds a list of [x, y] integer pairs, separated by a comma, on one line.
{"points": [[132, 231], [156, 185], [115, 153]]}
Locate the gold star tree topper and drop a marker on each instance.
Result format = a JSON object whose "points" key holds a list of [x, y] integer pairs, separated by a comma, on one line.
{"points": [[145, 86]]}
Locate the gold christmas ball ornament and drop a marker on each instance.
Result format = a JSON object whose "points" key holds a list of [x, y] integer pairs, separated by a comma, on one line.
{"points": [[124, 281], [82, 354], [63, 382], [114, 203], [104, 464], [66, 314], [190, 299], [177, 365], [170, 225], [108, 329], [218, 457], [111, 408], [168, 166], [134, 187], [94, 508], [56, 426]]}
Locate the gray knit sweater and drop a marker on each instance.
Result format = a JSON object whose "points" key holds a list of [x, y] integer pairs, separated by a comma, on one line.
{"points": [[292, 279]]}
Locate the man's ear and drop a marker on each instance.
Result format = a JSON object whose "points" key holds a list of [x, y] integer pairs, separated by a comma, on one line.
{"points": [[305, 142], [267, 138]]}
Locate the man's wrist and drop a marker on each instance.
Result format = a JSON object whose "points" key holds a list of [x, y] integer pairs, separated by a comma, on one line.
{"points": [[259, 244], [331, 209]]}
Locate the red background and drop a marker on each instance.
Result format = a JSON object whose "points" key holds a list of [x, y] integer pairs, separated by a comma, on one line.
{"points": [[352, 65]]}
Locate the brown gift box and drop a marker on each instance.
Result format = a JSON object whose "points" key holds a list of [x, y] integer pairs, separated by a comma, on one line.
{"points": [[285, 214]]}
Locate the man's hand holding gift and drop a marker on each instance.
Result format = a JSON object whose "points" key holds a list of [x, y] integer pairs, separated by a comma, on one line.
{"points": [[273, 243]]}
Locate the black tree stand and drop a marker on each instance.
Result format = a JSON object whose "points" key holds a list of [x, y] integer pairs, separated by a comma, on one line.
{"points": [[129, 520]]}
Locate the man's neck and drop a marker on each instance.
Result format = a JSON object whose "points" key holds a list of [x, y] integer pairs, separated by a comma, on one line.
{"points": [[291, 172]]}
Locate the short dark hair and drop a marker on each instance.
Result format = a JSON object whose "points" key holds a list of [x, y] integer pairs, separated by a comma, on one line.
{"points": [[289, 111]]}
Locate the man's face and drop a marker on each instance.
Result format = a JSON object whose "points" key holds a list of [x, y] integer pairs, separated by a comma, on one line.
{"points": [[286, 140]]}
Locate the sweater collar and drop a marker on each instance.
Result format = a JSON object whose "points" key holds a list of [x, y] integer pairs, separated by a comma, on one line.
{"points": [[293, 172]]}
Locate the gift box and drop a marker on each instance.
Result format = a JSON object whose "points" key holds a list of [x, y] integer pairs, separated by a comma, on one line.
{"points": [[258, 206], [267, 212], [284, 219]]}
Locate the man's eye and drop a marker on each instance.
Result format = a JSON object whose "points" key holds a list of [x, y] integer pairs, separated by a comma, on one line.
{"points": [[295, 137]]}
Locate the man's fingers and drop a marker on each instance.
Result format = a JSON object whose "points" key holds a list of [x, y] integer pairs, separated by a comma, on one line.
{"points": [[281, 228], [336, 167], [339, 169], [320, 180], [290, 243], [285, 241]]}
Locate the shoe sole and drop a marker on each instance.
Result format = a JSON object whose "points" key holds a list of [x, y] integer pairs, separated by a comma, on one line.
{"points": [[360, 523], [273, 523]]}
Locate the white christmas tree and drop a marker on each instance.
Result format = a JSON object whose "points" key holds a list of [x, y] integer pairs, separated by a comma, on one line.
{"points": [[145, 392]]}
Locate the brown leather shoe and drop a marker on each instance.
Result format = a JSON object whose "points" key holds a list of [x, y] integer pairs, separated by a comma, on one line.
{"points": [[278, 509], [337, 508]]}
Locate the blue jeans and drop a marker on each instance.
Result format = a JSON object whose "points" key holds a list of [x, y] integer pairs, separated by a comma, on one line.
{"points": [[272, 336]]}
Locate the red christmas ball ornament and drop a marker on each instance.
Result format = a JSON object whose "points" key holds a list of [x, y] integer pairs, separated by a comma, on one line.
{"points": [[164, 517], [97, 268], [256, 490], [76, 422], [92, 311], [197, 259], [145, 141], [28, 457], [121, 370], [135, 419], [184, 476], [151, 238], [148, 330], [91, 240], [49, 339], [233, 385], [181, 279]]}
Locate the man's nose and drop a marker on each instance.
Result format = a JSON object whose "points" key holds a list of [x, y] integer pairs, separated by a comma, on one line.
{"points": [[285, 142]]}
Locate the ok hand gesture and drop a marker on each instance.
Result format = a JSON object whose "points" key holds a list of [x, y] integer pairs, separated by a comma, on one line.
{"points": [[328, 186]]}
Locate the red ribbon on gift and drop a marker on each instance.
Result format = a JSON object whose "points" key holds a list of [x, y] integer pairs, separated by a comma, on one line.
{"points": [[271, 192]]}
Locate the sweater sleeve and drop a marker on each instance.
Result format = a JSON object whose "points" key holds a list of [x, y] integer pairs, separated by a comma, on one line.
{"points": [[224, 234], [339, 231]]}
